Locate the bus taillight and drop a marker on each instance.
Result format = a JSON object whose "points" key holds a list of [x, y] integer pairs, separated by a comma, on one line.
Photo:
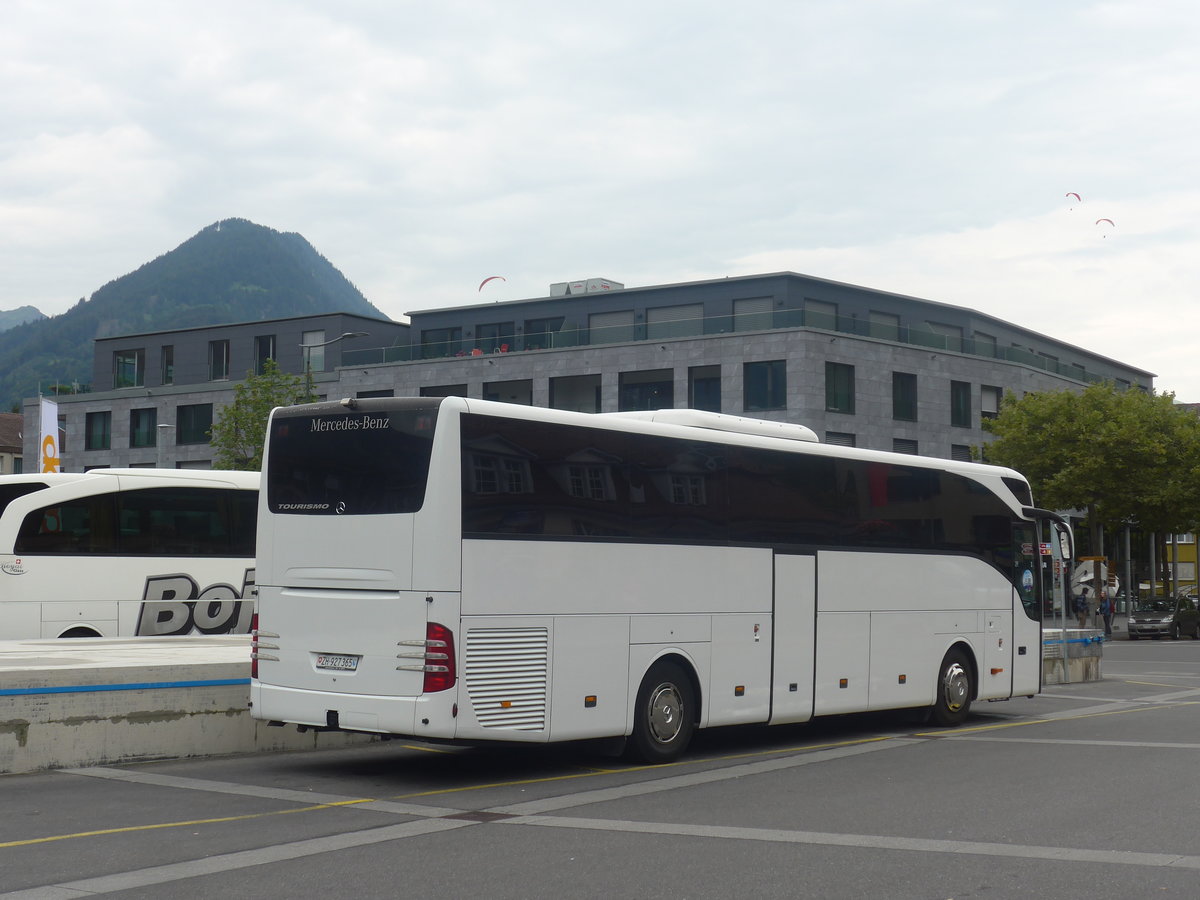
{"points": [[257, 645], [439, 658], [254, 646]]}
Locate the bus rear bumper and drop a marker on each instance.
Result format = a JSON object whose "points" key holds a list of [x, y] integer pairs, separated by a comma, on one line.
{"points": [[431, 716]]}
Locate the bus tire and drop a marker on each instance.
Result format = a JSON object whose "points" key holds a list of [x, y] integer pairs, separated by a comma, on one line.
{"points": [[954, 689], [664, 716]]}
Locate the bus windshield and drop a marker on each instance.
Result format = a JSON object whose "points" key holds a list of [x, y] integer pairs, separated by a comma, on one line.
{"points": [[335, 459]]}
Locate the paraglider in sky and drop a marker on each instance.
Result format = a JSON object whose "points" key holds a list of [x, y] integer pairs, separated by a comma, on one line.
{"points": [[490, 278], [1078, 199], [1109, 221]]}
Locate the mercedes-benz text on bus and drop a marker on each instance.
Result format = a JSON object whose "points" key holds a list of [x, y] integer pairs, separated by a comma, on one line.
{"points": [[123, 552], [456, 569]]}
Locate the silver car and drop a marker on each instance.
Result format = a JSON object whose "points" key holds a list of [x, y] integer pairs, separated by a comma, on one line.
{"points": [[1158, 616]]}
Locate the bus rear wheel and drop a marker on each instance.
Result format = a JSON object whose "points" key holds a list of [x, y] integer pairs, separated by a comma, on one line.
{"points": [[954, 689], [664, 716]]}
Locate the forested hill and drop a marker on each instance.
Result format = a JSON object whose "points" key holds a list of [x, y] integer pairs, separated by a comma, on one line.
{"points": [[10, 318], [232, 271]]}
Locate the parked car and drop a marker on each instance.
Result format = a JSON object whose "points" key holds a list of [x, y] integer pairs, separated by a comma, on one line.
{"points": [[1156, 616]]}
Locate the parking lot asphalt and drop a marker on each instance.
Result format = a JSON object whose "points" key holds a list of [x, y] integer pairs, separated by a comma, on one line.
{"points": [[1081, 791]]}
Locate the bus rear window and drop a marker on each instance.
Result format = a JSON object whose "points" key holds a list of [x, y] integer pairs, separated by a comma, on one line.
{"points": [[371, 460]]}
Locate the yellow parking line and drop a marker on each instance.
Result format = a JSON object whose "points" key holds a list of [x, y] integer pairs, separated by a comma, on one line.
{"points": [[193, 822]]}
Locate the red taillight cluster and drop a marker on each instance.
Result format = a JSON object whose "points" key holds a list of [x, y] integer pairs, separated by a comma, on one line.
{"points": [[257, 645], [439, 667]]}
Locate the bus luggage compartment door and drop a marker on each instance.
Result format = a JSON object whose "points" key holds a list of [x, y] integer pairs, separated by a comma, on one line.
{"points": [[795, 620], [344, 641]]}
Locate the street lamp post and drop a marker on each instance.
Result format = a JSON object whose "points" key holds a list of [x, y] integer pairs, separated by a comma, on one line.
{"points": [[307, 349]]}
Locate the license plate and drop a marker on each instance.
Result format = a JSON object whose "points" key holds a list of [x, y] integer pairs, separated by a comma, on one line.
{"points": [[337, 661]]}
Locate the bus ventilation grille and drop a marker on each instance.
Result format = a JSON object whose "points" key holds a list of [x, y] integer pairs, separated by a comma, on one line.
{"points": [[507, 670]]}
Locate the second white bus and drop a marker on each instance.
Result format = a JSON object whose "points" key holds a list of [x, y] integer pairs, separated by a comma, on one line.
{"points": [[466, 570], [126, 552]]}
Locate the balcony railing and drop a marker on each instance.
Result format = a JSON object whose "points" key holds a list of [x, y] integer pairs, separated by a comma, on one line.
{"points": [[582, 336]]}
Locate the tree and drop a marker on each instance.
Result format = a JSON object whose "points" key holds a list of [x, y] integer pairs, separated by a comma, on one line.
{"points": [[241, 428], [1123, 455]]}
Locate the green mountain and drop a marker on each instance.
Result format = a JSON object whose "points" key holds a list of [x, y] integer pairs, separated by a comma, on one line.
{"points": [[10, 318], [232, 271]]}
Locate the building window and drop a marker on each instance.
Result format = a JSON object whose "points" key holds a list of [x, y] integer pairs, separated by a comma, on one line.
{"points": [[383, 392], [904, 396], [764, 385], [444, 390], [688, 490], [753, 313], [654, 389], [674, 321], [98, 431], [143, 427], [820, 314], [264, 349], [704, 388], [580, 393], [168, 364], [193, 423], [610, 327], [985, 344], [960, 452], [904, 445], [989, 401], [960, 404], [500, 474], [519, 391], [883, 325], [129, 368], [435, 343], [839, 438], [588, 482], [218, 360], [839, 387], [312, 351], [542, 333], [496, 337], [951, 335]]}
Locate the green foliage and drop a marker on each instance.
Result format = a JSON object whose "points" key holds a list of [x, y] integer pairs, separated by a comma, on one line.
{"points": [[1124, 455], [241, 427], [239, 272]]}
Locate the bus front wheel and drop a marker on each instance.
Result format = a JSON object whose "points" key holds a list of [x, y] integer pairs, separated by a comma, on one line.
{"points": [[664, 717], [954, 689]]}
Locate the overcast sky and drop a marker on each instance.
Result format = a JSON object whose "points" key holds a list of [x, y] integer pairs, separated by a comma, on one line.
{"points": [[925, 148]]}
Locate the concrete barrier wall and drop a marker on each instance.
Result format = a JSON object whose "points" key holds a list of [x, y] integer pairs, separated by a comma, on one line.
{"points": [[95, 701], [1072, 655]]}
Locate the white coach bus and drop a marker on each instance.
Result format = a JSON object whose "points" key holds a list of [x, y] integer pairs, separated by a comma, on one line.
{"points": [[454, 569], [123, 552]]}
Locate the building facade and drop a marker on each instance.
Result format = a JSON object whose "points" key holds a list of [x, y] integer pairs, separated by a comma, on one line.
{"points": [[11, 444], [860, 367]]}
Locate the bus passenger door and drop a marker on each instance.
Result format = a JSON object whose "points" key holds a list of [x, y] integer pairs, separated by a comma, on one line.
{"points": [[794, 639]]}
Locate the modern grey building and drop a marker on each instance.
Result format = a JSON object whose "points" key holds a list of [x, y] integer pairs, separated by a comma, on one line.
{"points": [[859, 366]]}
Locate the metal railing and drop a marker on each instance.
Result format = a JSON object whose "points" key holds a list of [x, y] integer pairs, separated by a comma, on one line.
{"points": [[582, 336]]}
